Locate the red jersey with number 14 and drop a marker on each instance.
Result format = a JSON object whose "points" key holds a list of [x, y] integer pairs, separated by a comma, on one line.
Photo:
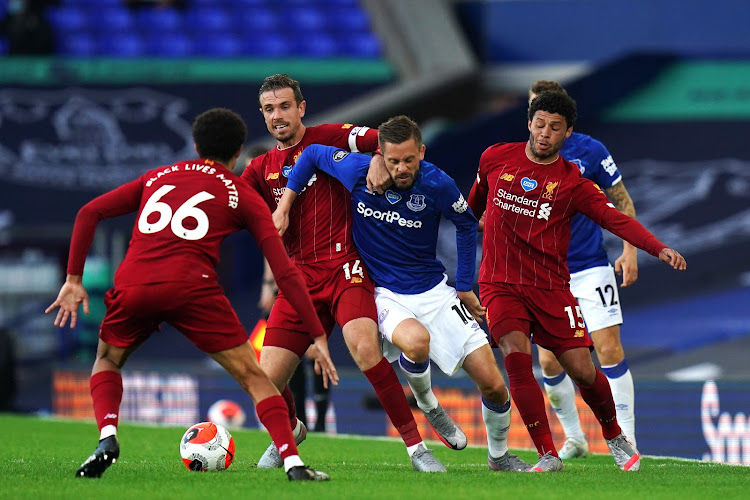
{"points": [[529, 210], [320, 221]]}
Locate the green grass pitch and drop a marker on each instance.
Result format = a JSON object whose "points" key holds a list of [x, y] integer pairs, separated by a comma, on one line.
{"points": [[39, 456]]}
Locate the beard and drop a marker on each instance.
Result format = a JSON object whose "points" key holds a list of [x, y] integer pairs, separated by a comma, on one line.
{"points": [[552, 150]]}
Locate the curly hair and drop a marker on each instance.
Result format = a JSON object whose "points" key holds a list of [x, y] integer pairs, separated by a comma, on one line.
{"points": [[219, 133], [555, 102], [281, 81]]}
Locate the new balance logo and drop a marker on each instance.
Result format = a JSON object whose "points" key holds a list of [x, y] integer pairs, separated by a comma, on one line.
{"points": [[544, 211], [110, 415]]}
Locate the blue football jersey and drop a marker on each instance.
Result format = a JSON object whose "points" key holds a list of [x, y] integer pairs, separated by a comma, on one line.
{"points": [[586, 248], [396, 233]]}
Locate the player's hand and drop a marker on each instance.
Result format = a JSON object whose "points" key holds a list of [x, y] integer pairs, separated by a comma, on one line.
{"points": [[323, 364], [71, 295], [627, 265], [673, 258], [480, 227], [470, 300], [268, 292], [280, 220], [378, 179]]}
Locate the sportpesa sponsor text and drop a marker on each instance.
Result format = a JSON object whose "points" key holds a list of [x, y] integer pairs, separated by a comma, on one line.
{"points": [[390, 216]]}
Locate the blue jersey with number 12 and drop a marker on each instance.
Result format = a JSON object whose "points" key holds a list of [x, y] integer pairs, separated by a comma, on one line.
{"points": [[586, 248], [396, 233]]}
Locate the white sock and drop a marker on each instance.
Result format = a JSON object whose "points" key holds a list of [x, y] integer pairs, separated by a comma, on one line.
{"points": [[292, 461], [497, 423], [562, 396], [420, 381], [411, 449], [624, 395], [107, 430]]}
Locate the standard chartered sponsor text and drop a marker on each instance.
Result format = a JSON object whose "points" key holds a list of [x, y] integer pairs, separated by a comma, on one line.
{"points": [[502, 195]]}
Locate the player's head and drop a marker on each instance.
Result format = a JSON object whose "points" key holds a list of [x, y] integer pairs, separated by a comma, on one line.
{"points": [[540, 86], [401, 144], [283, 107], [219, 134], [551, 119]]}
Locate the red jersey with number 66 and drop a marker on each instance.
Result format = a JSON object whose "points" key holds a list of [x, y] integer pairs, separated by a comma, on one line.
{"points": [[320, 221], [185, 211]]}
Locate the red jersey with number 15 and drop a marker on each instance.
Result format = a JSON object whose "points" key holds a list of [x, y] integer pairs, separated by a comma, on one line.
{"points": [[320, 221], [529, 210]]}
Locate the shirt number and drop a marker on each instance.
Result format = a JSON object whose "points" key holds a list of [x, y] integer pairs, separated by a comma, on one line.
{"points": [[356, 269], [579, 316], [175, 221]]}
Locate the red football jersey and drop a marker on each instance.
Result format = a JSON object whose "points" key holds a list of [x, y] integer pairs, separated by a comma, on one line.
{"points": [[320, 219], [529, 210], [185, 211]]}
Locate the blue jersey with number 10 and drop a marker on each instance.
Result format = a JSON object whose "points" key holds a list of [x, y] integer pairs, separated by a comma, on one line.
{"points": [[586, 248], [396, 233]]}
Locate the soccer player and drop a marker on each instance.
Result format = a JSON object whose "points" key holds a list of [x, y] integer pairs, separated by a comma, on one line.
{"points": [[319, 242], [531, 194], [396, 235], [168, 275], [593, 284]]}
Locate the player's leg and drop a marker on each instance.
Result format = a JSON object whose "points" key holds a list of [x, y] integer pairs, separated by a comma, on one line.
{"points": [[272, 410], [356, 313], [562, 396], [597, 294], [597, 394], [119, 336], [615, 367], [321, 396], [481, 366]]}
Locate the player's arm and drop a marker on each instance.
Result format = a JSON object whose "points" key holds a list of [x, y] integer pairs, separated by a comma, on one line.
{"points": [[125, 199], [454, 208], [590, 201], [478, 198], [330, 160], [627, 263], [258, 221]]}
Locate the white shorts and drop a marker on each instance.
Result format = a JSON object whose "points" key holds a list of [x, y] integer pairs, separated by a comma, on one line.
{"points": [[454, 334], [597, 294]]}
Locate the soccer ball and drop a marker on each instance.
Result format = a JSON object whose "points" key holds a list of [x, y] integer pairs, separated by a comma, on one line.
{"points": [[207, 447], [226, 413]]}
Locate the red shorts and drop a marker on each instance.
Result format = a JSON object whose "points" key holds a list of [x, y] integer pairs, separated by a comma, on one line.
{"points": [[550, 318], [341, 291], [200, 311]]}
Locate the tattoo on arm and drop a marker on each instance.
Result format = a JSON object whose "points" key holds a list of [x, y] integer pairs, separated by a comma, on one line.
{"points": [[621, 199]]}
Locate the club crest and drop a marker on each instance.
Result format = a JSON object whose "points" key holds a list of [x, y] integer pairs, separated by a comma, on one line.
{"points": [[392, 197], [416, 203]]}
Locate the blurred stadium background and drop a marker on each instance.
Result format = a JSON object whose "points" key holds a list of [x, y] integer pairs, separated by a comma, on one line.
{"points": [[94, 92]]}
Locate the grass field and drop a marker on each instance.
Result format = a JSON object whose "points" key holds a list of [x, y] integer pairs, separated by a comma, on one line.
{"points": [[38, 459]]}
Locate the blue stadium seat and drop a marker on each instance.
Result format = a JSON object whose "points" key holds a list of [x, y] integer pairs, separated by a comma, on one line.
{"points": [[302, 19], [219, 45], [77, 44], [4, 46], [169, 45], [159, 20], [67, 19], [360, 45], [347, 19], [257, 19], [209, 19], [114, 19], [121, 44], [266, 45], [316, 45]]}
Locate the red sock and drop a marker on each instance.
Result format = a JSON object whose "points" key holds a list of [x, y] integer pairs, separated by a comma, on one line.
{"points": [[599, 398], [391, 396], [529, 400], [106, 392], [272, 413], [289, 399]]}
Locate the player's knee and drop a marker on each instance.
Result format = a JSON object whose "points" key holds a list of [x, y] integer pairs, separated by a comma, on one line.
{"points": [[494, 390], [418, 348]]}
